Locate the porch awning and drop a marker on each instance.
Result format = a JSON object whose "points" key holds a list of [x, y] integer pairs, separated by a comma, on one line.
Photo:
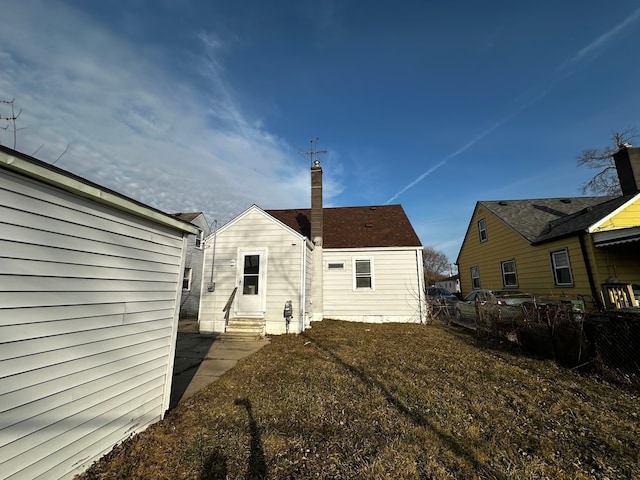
{"points": [[615, 237]]}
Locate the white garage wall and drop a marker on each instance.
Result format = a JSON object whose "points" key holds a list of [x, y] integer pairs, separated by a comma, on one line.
{"points": [[88, 298]]}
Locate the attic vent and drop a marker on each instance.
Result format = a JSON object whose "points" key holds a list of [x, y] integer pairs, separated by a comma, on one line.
{"points": [[587, 210], [502, 202], [368, 225], [373, 208], [565, 200]]}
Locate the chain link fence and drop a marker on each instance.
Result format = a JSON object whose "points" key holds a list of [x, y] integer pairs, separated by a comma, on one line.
{"points": [[608, 342]]}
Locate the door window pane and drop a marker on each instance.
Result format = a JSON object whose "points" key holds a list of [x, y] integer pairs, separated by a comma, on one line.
{"points": [[251, 274]]}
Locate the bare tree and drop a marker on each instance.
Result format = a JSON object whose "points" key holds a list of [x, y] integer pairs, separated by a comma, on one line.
{"points": [[605, 182], [435, 264]]}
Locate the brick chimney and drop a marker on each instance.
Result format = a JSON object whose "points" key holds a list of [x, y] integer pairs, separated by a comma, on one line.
{"points": [[317, 277], [627, 161], [316, 203]]}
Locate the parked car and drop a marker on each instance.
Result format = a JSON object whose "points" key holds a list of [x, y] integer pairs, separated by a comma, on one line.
{"points": [[504, 304], [441, 300]]}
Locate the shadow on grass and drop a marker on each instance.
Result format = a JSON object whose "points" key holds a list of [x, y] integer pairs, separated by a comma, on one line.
{"points": [[257, 468], [415, 417], [215, 467]]}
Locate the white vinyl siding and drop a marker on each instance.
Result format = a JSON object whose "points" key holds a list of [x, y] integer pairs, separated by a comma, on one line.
{"points": [[283, 280], [88, 299], [397, 288]]}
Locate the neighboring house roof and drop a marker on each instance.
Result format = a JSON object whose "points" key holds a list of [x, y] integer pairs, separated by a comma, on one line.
{"points": [[543, 219], [188, 217], [355, 227]]}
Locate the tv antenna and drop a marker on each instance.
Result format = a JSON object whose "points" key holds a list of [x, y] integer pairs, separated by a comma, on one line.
{"points": [[311, 151]]}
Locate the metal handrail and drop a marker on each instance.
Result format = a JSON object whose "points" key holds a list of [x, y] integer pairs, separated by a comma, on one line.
{"points": [[227, 306]]}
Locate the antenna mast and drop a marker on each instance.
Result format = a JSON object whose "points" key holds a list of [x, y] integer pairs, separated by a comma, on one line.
{"points": [[312, 152]]}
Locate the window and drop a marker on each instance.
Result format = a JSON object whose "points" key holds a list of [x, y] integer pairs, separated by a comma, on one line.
{"points": [[363, 273], [335, 266], [186, 279], [561, 268], [482, 230], [199, 239], [475, 277], [251, 274], [509, 275]]}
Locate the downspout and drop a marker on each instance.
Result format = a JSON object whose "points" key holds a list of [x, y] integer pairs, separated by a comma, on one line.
{"points": [[420, 284], [303, 283], [211, 287], [587, 264]]}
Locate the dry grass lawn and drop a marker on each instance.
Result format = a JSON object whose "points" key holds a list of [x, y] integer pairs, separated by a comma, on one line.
{"points": [[396, 401]]}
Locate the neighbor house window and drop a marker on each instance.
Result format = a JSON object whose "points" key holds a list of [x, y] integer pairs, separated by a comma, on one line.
{"points": [[335, 266], [363, 273], [186, 280], [561, 268], [475, 277], [199, 239], [482, 230], [509, 275]]}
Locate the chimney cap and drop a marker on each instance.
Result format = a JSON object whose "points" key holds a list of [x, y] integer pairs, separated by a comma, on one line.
{"points": [[316, 164]]}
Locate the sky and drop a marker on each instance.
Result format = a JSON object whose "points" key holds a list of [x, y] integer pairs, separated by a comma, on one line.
{"points": [[207, 105]]}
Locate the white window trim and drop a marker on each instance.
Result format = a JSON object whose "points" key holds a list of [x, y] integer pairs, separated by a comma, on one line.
{"points": [[482, 229], [188, 276], [554, 268], [199, 242], [372, 274], [477, 270], [515, 273]]}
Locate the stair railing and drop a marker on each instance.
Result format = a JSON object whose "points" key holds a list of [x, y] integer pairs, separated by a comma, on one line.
{"points": [[227, 307]]}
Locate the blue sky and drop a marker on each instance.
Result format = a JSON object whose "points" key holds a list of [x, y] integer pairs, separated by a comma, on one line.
{"points": [[205, 105]]}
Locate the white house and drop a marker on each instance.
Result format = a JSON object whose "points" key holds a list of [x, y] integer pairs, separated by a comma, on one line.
{"points": [[192, 276], [350, 263], [90, 285]]}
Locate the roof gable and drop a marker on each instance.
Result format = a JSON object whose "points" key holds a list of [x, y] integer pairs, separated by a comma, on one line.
{"points": [[254, 209], [355, 227]]}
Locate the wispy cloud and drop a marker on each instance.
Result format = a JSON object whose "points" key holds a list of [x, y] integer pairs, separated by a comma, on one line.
{"points": [[134, 124], [538, 91], [452, 155]]}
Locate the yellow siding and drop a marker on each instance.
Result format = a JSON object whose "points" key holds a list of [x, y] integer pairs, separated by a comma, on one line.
{"points": [[621, 262], [533, 263], [629, 217]]}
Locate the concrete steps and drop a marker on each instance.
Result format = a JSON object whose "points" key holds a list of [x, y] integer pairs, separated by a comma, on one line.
{"points": [[244, 328]]}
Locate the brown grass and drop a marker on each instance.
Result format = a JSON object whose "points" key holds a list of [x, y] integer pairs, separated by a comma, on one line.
{"points": [[361, 401]]}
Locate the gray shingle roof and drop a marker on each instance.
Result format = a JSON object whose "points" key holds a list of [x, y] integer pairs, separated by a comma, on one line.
{"points": [[543, 219]]}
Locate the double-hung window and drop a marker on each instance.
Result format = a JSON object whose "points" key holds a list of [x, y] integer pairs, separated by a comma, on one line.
{"points": [[186, 280], [475, 277], [199, 239], [562, 275], [363, 274], [482, 230], [509, 274]]}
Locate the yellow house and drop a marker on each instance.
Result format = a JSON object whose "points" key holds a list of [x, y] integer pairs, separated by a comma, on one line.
{"points": [[579, 248]]}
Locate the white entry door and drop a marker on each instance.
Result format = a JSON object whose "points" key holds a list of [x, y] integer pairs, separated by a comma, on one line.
{"points": [[252, 276]]}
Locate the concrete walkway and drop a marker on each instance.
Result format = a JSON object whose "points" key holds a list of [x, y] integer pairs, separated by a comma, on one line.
{"points": [[202, 359]]}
